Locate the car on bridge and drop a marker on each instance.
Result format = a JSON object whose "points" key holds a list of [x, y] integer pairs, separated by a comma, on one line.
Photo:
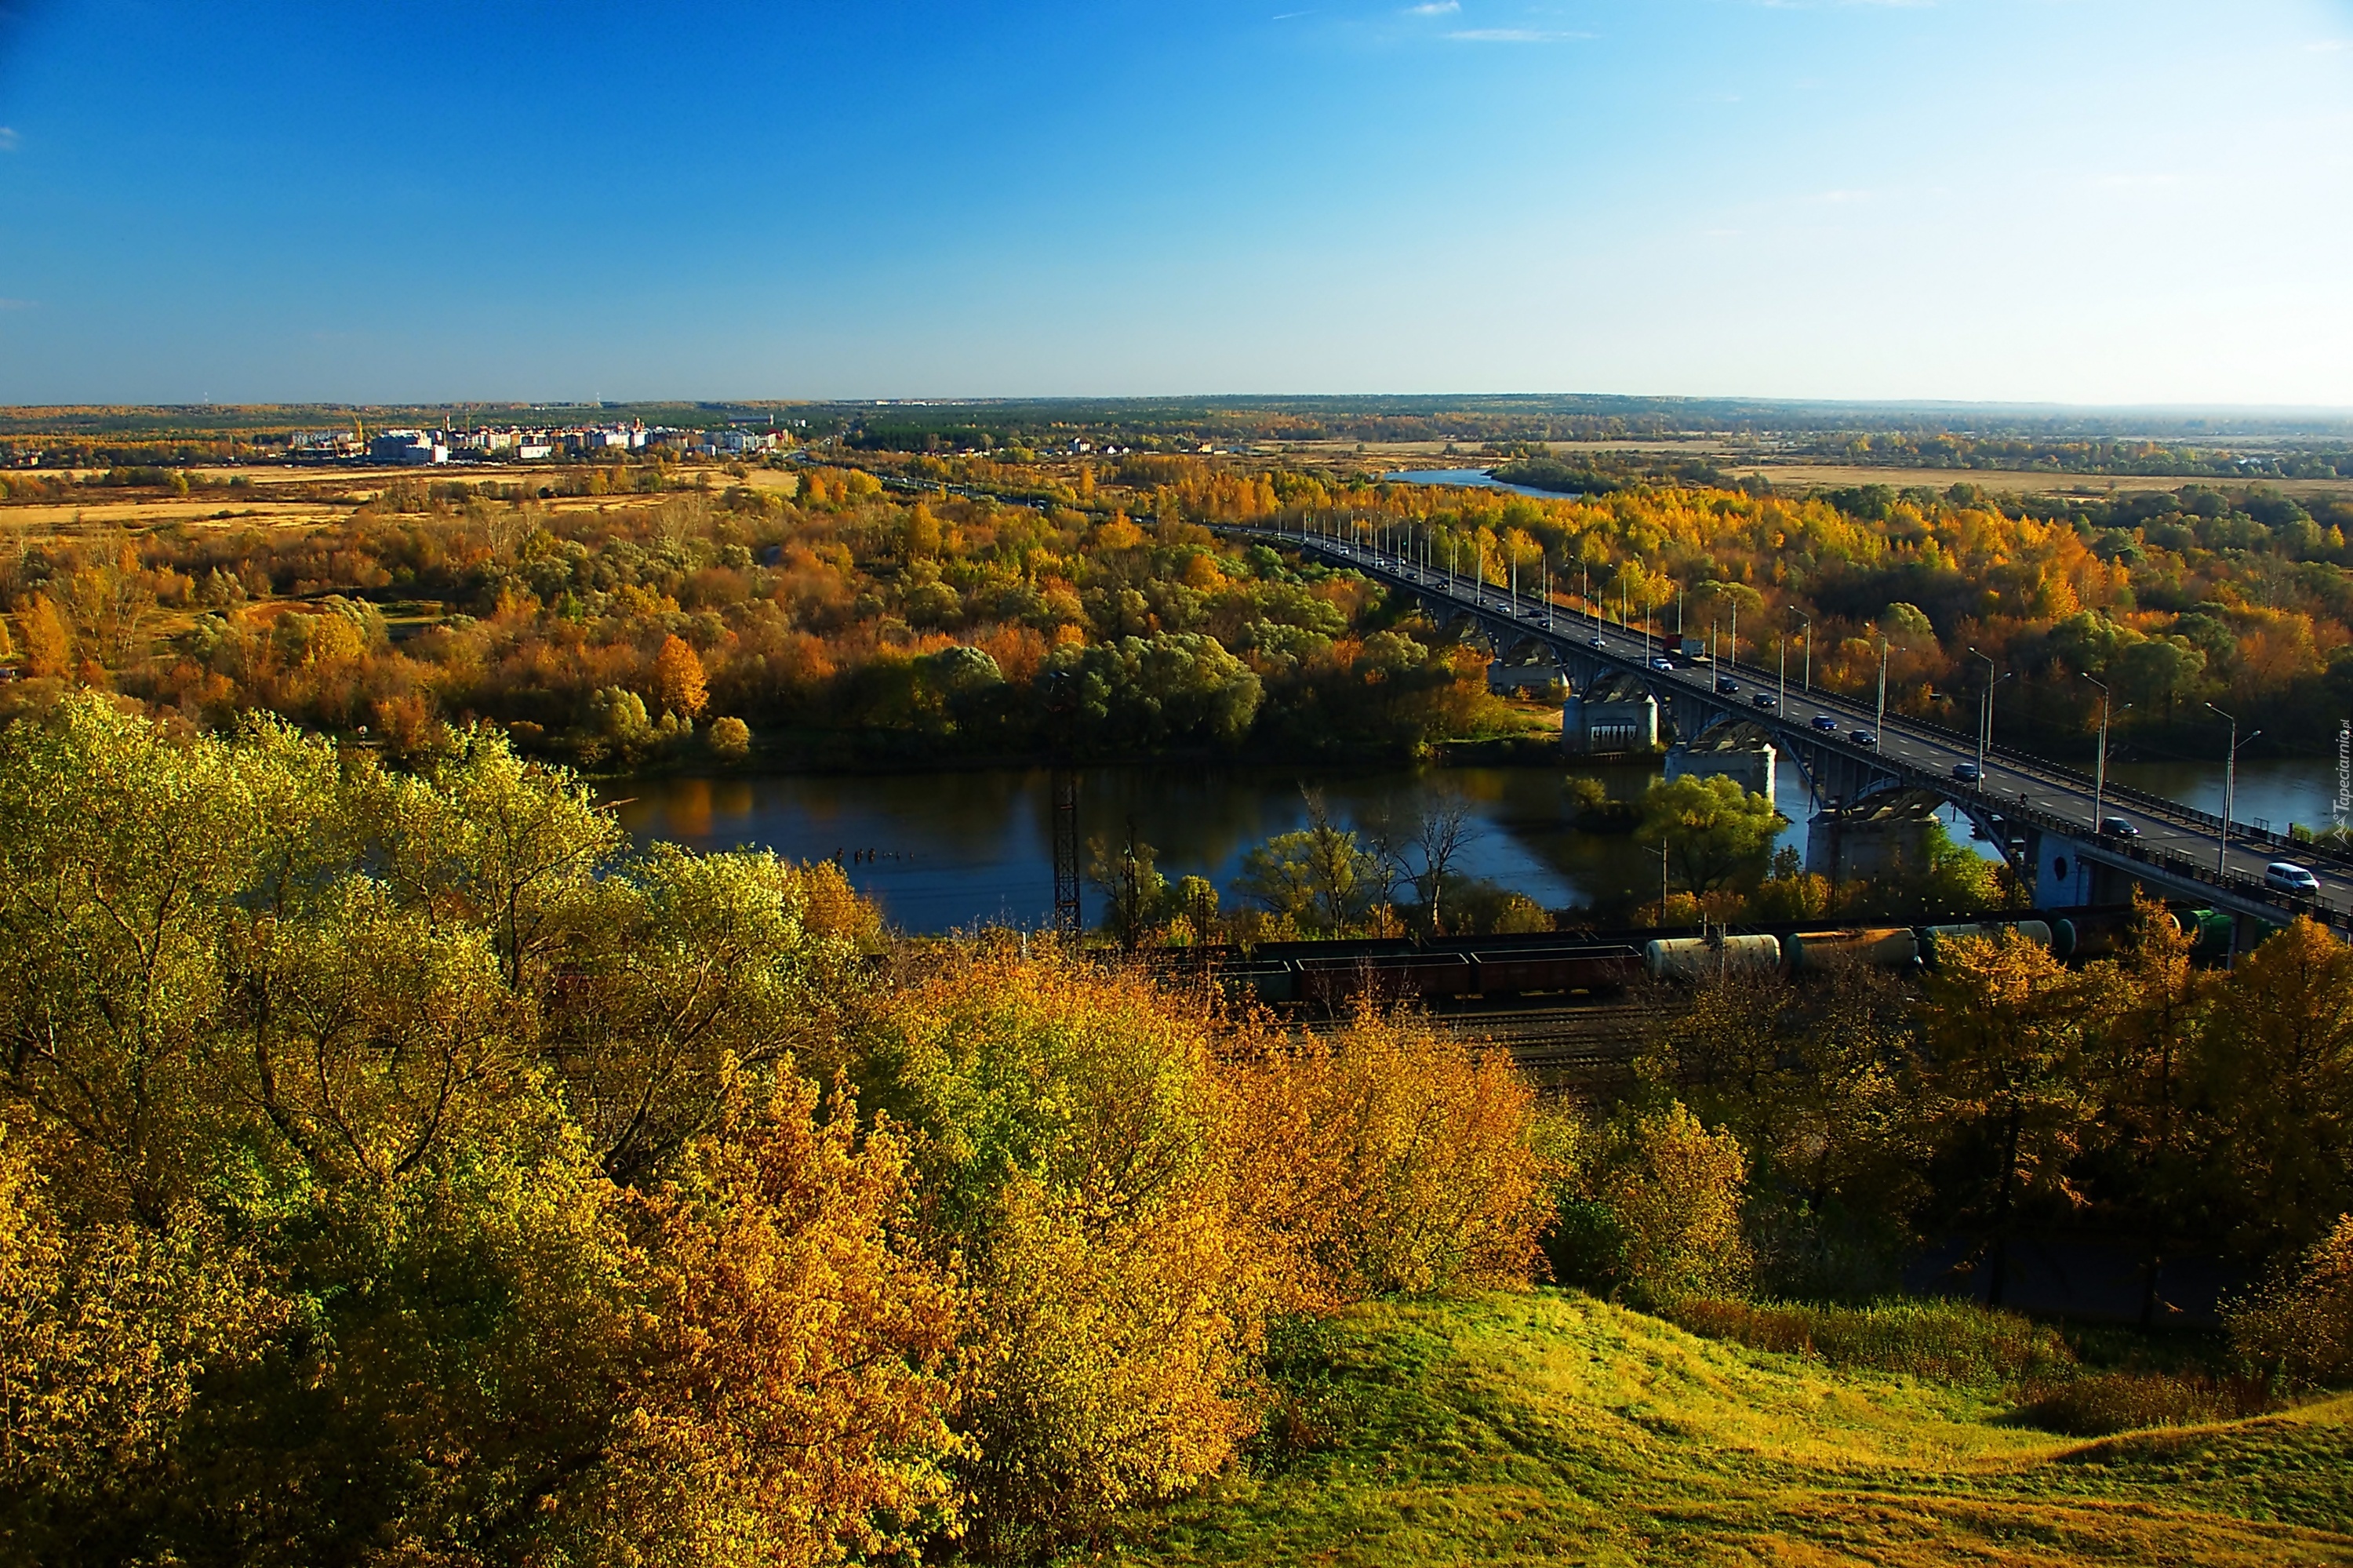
{"points": [[2286, 876], [1727, 687], [1826, 723], [1764, 700], [1968, 772], [1863, 738], [1662, 662], [2118, 828], [1597, 641]]}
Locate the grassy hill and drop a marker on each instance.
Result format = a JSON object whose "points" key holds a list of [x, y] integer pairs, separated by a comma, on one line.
{"points": [[1552, 1427]]}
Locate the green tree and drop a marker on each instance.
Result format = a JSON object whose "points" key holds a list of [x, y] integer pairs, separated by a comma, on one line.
{"points": [[1718, 834], [1319, 874], [1133, 891]]}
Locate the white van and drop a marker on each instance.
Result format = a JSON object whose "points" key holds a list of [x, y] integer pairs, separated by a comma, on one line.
{"points": [[2286, 876]]}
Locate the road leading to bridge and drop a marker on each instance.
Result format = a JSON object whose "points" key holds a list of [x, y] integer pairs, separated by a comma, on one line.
{"points": [[2175, 843]]}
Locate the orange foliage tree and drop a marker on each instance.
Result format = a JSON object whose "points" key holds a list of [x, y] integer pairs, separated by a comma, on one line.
{"points": [[680, 684]]}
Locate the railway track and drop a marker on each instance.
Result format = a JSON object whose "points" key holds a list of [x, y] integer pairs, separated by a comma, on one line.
{"points": [[1557, 1042]]}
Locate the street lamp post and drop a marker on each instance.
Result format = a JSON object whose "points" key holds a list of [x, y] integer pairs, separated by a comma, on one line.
{"points": [[1810, 651], [1879, 721], [2229, 794], [2100, 774], [1985, 714]]}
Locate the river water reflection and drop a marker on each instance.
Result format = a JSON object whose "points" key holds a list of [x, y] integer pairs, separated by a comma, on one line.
{"points": [[1474, 478], [944, 850]]}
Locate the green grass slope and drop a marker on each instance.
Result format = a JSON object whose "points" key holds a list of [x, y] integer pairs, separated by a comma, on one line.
{"points": [[1554, 1428]]}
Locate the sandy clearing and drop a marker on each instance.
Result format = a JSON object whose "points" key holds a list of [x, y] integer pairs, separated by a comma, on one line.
{"points": [[59, 515]]}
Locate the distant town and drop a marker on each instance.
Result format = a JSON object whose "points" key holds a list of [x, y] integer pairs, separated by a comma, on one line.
{"points": [[511, 443]]}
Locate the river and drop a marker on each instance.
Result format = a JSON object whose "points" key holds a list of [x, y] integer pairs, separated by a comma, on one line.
{"points": [[946, 850], [1475, 478]]}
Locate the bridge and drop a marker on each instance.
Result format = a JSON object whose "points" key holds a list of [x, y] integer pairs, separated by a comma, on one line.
{"points": [[2046, 819]]}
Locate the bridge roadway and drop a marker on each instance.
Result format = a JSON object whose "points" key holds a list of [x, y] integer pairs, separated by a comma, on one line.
{"points": [[2042, 814]]}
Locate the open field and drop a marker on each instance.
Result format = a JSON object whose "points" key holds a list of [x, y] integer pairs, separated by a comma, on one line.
{"points": [[2007, 482], [1741, 458], [50, 514], [1554, 1428]]}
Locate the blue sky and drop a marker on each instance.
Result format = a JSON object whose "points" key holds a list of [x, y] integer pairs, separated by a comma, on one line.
{"points": [[2113, 201]]}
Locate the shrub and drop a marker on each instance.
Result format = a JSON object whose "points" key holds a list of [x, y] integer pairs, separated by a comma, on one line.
{"points": [[731, 738], [1066, 1126], [1391, 1158], [2121, 1401], [1946, 1342], [1650, 1208], [2301, 1324]]}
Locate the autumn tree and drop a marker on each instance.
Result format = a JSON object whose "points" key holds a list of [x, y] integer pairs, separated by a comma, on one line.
{"points": [[2277, 1062], [679, 684], [2004, 1057], [1388, 1158], [49, 648], [2146, 1008], [1651, 1205], [1066, 1127]]}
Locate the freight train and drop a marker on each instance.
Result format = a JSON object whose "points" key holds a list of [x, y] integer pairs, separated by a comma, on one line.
{"points": [[1331, 973]]}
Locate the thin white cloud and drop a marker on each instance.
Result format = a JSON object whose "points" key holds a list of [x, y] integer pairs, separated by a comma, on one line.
{"points": [[17, 305], [8, 139], [2328, 46], [1512, 35], [1435, 8]]}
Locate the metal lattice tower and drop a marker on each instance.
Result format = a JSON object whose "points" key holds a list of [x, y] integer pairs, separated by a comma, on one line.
{"points": [[1068, 920]]}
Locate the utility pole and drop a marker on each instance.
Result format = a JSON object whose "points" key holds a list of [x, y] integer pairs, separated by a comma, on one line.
{"points": [[1810, 651], [1781, 649], [2229, 794], [1069, 916], [1736, 634]]}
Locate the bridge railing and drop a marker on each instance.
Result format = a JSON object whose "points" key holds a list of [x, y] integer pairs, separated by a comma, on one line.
{"points": [[2179, 867], [2146, 801], [2154, 804]]}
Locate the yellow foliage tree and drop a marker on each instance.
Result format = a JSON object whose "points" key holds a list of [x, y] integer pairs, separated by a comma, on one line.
{"points": [[49, 648], [1066, 1123], [1389, 1158], [791, 1396], [680, 684], [2302, 1323], [1652, 1205]]}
